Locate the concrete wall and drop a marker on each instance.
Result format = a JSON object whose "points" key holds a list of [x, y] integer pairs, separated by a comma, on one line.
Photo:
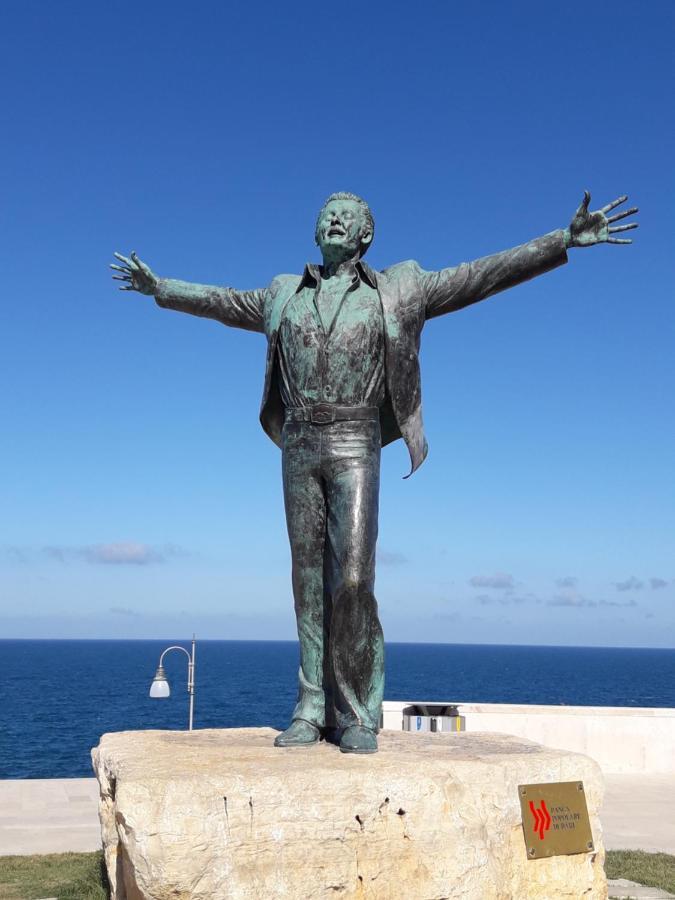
{"points": [[623, 740]]}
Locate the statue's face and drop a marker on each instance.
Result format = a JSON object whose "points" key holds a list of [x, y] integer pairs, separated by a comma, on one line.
{"points": [[341, 229]]}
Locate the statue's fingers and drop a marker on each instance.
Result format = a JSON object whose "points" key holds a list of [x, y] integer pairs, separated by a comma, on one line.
{"points": [[126, 288], [622, 215], [140, 264], [582, 209], [623, 227], [127, 262], [121, 277], [619, 241], [617, 202], [583, 206], [118, 268]]}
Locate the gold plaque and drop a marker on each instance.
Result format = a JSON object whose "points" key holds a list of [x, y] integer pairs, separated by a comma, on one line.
{"points": [[555, 819]]}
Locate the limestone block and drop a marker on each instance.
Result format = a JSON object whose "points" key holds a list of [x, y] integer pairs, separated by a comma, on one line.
{"points": [[223, 814]]}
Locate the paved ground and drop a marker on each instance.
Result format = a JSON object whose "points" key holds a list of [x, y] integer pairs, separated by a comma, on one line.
{"points": [[622, 889], [49, 816], [53, 816], [639, 813]]}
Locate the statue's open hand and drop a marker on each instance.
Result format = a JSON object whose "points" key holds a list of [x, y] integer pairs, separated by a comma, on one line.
{"points": [[588, 228], [135, 274]]}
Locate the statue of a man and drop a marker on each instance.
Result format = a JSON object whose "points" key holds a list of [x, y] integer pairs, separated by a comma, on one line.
{"points": [[343, 380]]}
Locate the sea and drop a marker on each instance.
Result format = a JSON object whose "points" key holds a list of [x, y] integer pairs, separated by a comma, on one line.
{"points": [[58, 697]]}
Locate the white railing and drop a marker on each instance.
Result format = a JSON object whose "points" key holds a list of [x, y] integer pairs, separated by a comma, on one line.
{"points": [[621, 739]]}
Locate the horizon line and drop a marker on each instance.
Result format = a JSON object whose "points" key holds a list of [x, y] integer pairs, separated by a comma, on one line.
{"points": [[295, 641]]}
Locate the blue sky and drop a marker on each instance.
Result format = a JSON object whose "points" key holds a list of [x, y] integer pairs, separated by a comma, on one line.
{"points": [[139, 496]]}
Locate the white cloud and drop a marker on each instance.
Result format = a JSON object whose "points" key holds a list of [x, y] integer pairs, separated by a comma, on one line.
{"points": [[390, 557], [117, 553], [123, 553], [569, 597], [569, 581], [657, 583], [14, 554], [630, 584], [506, 599], [499, 581]]}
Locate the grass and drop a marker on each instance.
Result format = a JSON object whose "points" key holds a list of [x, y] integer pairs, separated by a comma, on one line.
{"points": [[81, 876], [68, 876], [651, 869]]}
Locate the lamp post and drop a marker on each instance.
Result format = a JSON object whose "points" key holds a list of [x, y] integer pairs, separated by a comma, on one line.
{"points": [[159, 689]]}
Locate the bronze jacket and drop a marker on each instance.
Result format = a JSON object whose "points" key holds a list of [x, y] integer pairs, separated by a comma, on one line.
{"points": [[409, 296]]}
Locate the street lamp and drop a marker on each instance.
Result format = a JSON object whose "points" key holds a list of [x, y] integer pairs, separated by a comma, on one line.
{"points": [[159, 689]]}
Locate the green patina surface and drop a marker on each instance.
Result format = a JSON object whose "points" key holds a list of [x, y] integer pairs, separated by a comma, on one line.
{"points": [[344, 336]]}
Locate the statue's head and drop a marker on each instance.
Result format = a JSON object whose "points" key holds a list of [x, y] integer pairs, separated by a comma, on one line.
{"points": [[344, 228]]}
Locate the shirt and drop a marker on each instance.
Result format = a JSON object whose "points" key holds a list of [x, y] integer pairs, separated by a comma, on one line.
{"points": [[340, 361]]}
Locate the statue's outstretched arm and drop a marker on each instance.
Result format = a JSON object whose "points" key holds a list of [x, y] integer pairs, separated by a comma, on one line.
{"points": [[240, 309], [452, 289]]}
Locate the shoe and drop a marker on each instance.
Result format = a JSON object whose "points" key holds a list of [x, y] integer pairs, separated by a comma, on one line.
{"points": [[358, 739], [298, 734]]}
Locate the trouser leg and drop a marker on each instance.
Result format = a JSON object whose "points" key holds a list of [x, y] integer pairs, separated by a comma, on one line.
{"points": [[306, 522], [351, 469]]}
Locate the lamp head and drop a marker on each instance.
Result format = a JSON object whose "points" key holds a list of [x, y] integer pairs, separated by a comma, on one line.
{"points": [[159, 689]]}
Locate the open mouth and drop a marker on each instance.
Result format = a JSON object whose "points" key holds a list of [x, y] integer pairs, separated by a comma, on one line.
{"points": [[335, 231]]}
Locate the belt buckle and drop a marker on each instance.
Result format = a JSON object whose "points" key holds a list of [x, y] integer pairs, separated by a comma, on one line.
{"points": [[322, 414]]}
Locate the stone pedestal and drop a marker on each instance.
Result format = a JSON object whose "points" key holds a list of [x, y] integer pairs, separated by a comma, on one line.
{"points": [[223, 814]]}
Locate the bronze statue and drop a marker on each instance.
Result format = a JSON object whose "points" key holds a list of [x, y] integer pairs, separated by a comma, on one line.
{"points": [[343, 380]]}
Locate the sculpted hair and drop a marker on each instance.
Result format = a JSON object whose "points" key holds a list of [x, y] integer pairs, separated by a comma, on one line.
{"points": [[363, 206]]}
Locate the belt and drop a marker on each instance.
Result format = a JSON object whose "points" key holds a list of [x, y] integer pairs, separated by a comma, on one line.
{"points": [[326, 413]]}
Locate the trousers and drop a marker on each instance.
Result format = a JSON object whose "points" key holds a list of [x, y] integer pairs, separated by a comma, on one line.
{"points": [[331, 478]]}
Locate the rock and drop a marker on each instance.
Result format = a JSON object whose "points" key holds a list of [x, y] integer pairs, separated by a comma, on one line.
{"points": [[223, 814]]}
